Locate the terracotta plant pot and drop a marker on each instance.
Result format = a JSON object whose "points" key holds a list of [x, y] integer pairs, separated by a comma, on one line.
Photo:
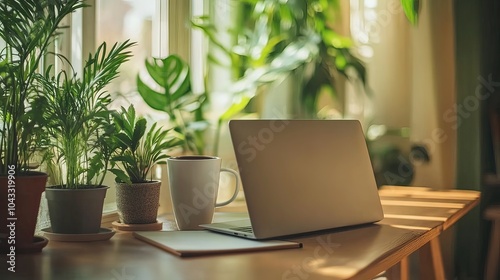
{"points": [[75, 211], [138, 203], [24, 204]]}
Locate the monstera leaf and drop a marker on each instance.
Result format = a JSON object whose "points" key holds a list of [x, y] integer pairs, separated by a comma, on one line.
{"points": [[171, 75], [167, 88]]}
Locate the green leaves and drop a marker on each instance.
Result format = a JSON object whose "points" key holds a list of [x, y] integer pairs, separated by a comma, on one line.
{"points": [[411, 8], [76, 116], [167, 88], [27, 28], [172, 74], [138, 149], [276, 38], [129, 129], [102, 67]]}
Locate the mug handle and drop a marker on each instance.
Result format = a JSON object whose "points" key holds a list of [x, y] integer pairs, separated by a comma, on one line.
{"points": [[236, 188]]}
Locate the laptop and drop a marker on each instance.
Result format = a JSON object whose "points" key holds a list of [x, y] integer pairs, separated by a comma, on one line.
{"points": [[302, 176]]}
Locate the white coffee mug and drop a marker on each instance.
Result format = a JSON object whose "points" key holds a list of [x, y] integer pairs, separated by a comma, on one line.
{"points": [[194, 184]]}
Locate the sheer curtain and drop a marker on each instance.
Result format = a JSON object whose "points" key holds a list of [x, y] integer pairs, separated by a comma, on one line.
{"points": [[411, 74], [434, 93], [411, 77]]}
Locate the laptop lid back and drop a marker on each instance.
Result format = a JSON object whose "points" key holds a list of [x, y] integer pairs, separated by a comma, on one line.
{"points": [[304, 175]]}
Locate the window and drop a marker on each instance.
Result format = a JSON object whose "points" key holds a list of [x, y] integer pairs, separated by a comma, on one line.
{"points": [[120, 20], [145, 22], [157, 27]]}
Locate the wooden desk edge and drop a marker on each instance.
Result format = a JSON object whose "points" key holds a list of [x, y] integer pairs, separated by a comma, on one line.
{"points": [[460, 213], [384, 263], [389, 260]]}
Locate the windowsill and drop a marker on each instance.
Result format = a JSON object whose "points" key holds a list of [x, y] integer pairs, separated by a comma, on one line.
{"points": [[108, 218], [109, 215]]}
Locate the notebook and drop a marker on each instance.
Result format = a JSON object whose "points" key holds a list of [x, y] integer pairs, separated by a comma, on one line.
{"points": [[301, 176], [196, 243]]}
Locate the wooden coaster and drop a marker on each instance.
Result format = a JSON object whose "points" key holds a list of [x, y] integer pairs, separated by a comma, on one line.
{"points": [[103, 234], [137, 227]]}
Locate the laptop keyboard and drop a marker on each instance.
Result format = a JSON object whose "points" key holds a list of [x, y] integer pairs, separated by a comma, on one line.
{"points": [[247, 229]]}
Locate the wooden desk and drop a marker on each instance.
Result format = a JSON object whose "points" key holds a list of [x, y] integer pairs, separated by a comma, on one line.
{"points": [[414, 218]]}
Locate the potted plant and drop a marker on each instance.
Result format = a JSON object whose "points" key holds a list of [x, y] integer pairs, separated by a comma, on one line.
{"points": [[27, 29], [290, 46], [172, 76], [138, 149], [79, 125]]}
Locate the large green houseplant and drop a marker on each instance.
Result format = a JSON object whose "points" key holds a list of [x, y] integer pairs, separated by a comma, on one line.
{"points": [[276, 40], [79, 125], [27, 29], [285, 51], [137, 150], [166, 86]]}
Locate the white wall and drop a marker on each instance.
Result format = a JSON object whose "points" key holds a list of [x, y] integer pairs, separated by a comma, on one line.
{"points": [[433, 93]]}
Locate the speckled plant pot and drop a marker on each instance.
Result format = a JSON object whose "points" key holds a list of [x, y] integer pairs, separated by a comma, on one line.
{"points": [[138, 203]]}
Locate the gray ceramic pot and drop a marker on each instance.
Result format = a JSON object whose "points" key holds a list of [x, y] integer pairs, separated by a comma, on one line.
{"points": [[75, 211], [138, 203]]}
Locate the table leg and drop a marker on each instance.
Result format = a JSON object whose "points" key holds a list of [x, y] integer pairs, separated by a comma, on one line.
{"points": [[493, 252], [399, 271], [431, 261]]}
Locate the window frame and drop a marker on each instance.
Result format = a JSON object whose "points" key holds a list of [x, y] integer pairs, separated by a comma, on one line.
{"points": [[170, 26]]}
